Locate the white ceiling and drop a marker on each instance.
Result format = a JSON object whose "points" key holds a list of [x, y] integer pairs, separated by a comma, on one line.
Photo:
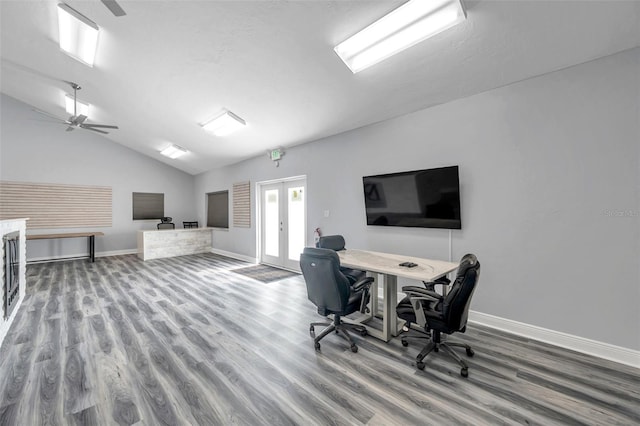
{"points": [[167, 66]]}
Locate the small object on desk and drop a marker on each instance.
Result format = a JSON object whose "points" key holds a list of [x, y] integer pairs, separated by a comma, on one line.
{"points": [[408, 264]]}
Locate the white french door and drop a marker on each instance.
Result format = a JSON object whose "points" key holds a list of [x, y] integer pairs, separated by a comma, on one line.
{"points": [[283, 221]]}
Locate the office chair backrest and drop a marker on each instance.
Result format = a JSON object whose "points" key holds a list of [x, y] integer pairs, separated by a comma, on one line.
{"points": [[166, 225], [190, 224], [327, 287], [332, 242], [455, 308]]}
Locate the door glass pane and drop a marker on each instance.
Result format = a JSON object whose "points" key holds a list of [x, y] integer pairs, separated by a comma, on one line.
{"points": [[271, 223], [295, 210]]}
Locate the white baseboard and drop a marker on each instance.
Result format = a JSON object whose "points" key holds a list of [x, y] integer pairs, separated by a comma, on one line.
{"points": [[579, 344], [234, 255], [81, 256]]}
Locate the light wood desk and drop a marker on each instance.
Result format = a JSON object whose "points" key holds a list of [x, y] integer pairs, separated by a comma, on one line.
{"points": [[386, 265], [91, 239]]}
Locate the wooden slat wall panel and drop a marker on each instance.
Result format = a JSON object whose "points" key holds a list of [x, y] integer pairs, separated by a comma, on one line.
{"points": [[242, 205], [56, 206]]}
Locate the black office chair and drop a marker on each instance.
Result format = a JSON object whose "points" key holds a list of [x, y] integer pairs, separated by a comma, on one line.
{"points": [[442, 314], [336, 243], [332, 293], [405, 310], [190, 224], [165, 223]]}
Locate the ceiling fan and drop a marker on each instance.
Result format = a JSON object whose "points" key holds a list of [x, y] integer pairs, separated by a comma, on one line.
{"points": [[114, 7], [78, 120]]}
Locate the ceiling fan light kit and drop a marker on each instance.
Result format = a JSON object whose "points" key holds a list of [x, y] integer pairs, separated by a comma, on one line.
{"points": [[402, 28], [224, 124], [173, 151], [78, 34]]}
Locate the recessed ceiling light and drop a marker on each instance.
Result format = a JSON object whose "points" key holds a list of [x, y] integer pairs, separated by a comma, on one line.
{"points": [[78, 34], [404, 27], [224, 124], [81, 107], [173, 151]]}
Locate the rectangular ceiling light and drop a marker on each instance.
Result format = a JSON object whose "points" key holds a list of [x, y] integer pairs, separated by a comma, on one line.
{"points": [[224, 124], [81, 107], [173, 151], [78, 34], [407, 25]]}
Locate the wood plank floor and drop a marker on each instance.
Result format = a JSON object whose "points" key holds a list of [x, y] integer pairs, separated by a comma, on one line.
{"points": [[187, 341]]}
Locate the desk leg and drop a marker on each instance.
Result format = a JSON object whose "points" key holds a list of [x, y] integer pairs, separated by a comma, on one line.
{"points": [[92, 248], [389, 321], [374, 294]]}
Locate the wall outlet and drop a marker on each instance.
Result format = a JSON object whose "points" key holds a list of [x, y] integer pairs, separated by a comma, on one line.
{"points": [[326, 213]]}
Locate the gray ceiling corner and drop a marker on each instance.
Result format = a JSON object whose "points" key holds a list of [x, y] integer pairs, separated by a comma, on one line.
{"points": [[167, 66]]}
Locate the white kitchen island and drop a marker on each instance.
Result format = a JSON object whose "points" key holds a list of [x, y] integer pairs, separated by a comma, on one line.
{"points": [[156, 244]]}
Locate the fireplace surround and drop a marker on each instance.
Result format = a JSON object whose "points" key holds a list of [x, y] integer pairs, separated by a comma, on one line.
{"points": [[11, 269], [12, 277]]}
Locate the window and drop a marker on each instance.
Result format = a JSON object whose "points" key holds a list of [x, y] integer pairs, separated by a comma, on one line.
{"points": [[218, 209], [148, 205]]}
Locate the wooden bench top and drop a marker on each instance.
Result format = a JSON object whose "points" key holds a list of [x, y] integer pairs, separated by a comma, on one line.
{"points": [[64, 235]]}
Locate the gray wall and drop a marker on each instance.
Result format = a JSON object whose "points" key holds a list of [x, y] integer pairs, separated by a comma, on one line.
{"points": [[34, 150], [545, 165]]}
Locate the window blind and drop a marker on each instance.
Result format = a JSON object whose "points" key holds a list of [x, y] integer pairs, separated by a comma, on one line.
{"points": [[242, 205], [56, 205], [218, 209]]}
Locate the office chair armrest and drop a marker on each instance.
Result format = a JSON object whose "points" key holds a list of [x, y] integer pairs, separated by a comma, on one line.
{"points": [[365, 282], [440, 281], [422, 300], [419, 292]]}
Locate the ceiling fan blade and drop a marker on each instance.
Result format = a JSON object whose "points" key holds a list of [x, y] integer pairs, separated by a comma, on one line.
{"points": [[94, 130], [105, 126], [114, 7]]}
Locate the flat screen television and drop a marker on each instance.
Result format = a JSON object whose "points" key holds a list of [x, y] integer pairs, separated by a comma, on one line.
{"points": [[421, 198]]}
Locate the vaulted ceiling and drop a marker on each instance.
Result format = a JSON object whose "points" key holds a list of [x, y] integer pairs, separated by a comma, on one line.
{"points": [[167, 66]]}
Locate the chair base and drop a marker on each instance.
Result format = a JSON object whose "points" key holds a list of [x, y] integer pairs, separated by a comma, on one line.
{"points": [[341, 328], [418, 334], [435, 345]]}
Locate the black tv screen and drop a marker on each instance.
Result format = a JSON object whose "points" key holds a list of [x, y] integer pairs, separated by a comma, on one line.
{"points": [[420, 198]]}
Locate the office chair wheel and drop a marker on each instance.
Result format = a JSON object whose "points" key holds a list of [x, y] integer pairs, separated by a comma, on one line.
{"points": [[464, 372], [364, 332], [404, 342], [420, 365], [317, 346], [354, 348], [470, 352]]}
